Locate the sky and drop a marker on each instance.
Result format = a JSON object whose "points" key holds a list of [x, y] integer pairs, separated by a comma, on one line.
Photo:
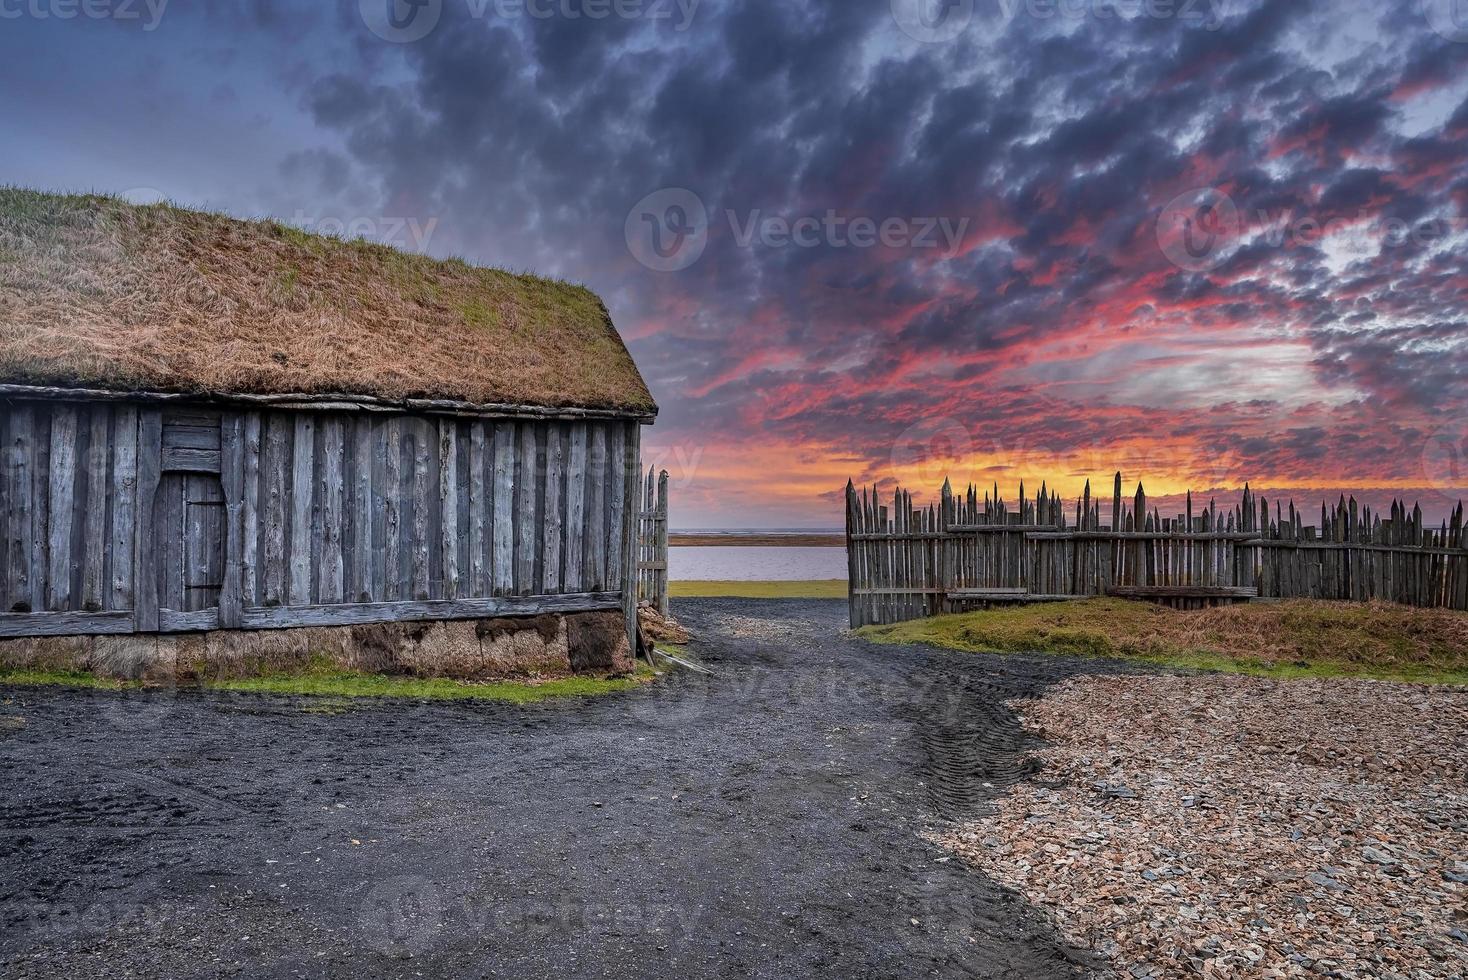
{"points": [[1202, 242]]}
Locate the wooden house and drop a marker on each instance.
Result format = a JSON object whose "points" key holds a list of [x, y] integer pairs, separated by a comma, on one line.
{"points": [[215, 425]]}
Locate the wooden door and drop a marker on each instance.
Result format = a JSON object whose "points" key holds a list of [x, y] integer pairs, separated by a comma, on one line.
{"points": [[190, 528], [189, 514]]}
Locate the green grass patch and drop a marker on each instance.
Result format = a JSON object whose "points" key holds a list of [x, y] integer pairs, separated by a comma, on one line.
{"points": [[323, 682], [834, 589], [348, 684], [1283, 640], [478, 313], [27, 677]]}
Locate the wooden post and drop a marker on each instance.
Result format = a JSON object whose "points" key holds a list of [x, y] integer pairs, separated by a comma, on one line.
{"points": [[944, 551], [851, 583], [232, 478], [662, 544], [145, 567], [631, 518]]}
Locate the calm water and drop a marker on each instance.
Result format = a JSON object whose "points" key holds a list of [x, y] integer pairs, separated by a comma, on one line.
{"points": [[719, 564]]}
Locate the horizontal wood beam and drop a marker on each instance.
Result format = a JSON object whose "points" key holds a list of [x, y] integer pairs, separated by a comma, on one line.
{"points": [[17, 625], [361, 614], [913, 591], [65, 624], [1002, 595], [180, 459], [1400, 549], [202, 621], [1246, 538], [932, 536], [1182, 592], [323, 403], [968, 593]]}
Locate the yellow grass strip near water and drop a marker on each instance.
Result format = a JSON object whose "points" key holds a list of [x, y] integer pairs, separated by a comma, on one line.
{"points": [[687, 540], [832, 589]]}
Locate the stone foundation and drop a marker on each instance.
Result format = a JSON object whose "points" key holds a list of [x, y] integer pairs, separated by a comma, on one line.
{"points": [[553, 645]]}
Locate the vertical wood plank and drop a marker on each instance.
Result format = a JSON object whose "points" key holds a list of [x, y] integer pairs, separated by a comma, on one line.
{"points": [[632, 465], [575, 567], [20, 453], [170, 532], [616, 503], [526, 517], [232, 454], [391, 495], [145, 577], [12, 517], [662, 544], [302, 487], [555, 480], [196, 540], [124, 490], [40, 502], [421, 547], [59, 507], [506, 480], [448, 503], [275, 481], [330, 573], [481, 503], [93, 509], [363, 546], [249, 509], [595, 575]]}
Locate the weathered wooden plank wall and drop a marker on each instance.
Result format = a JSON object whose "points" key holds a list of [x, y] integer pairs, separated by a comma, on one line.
{"points": [[908, 562], [175, 518], [362, 508], [68, 498]]}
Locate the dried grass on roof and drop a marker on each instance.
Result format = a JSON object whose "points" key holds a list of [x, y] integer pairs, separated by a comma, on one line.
{"points": [[98, 292]]}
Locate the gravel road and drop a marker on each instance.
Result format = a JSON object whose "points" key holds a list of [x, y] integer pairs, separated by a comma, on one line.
{"points": [[767, 821]]}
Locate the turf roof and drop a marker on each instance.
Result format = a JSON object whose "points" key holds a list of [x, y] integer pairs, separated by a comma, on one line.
{"points": [[96, 292]]}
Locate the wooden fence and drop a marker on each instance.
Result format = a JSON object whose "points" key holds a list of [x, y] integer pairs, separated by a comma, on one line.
{"points": [[652, 542], [909, 562]]}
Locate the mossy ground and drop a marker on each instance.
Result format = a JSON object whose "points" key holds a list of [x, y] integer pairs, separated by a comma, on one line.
{"points": [[324, 682], [834, 589], [1283, 640]]}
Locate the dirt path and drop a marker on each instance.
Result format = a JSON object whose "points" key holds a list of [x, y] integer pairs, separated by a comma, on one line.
{"points": [[764, 822]]}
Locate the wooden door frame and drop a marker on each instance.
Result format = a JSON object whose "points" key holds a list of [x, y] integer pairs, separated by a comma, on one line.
{"points": [[147, 614]]}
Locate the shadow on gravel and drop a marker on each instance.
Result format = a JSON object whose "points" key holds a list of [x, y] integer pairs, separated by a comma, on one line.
{"points": [[766, 821]]}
